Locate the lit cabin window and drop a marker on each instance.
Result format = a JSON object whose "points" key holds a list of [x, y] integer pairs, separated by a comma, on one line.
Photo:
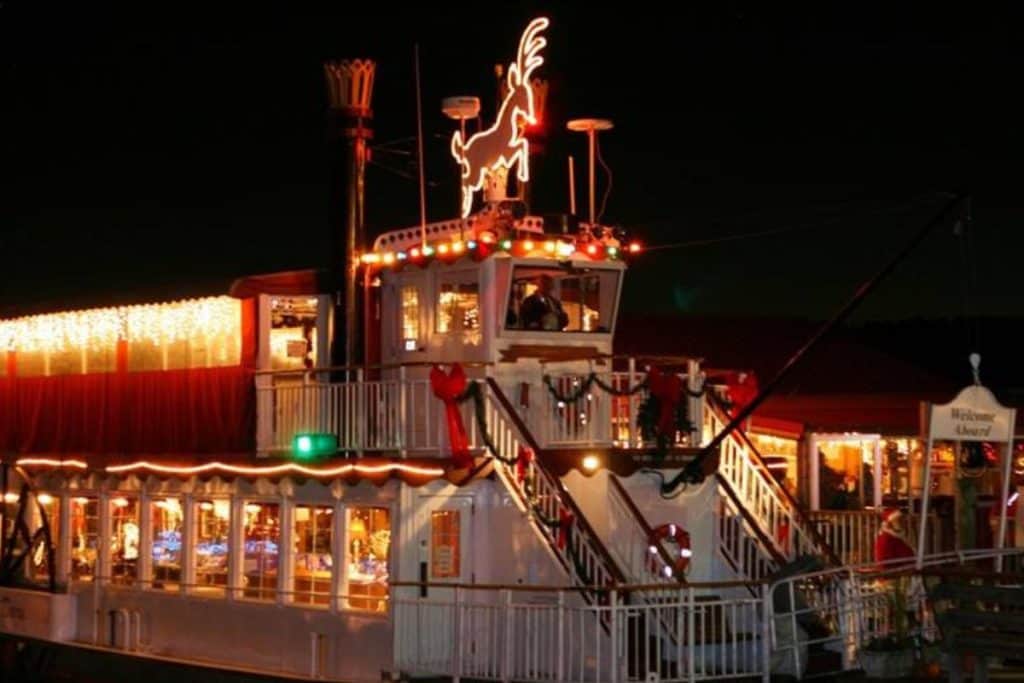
{"points": [[262, 537], [165, 543], [369, 541], [458, 307], [124, 552], [293, 333], [212, 520], [314, 533], [410, 300], [552, 300], [199, 333], [85, 527]]}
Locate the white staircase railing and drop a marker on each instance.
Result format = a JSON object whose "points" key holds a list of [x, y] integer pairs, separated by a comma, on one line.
{"points": [[739, 544], [552, 511], [629, 540], [777, 514]]}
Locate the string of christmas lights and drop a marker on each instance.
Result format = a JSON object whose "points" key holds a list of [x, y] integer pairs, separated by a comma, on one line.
{"points": [[100, 328], [487, 244]]}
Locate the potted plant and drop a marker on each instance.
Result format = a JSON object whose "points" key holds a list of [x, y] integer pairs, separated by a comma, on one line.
{"points": [[892, 655]]}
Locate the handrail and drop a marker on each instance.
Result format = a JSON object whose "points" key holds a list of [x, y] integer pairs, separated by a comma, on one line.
{"points": [[566, 498], [642, 522], [621, 587], [762, 537], [798, 512], [377, 366]]}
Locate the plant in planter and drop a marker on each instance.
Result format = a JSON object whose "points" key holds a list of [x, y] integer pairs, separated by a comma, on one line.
{"points": [[892, 655]]}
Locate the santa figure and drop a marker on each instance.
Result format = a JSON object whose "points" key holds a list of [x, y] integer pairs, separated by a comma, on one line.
{"points": [[892, 543]]}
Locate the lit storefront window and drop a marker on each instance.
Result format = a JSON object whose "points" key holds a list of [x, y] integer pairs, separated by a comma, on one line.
{"points": [[313, 560], [211, 549], [85, 526], [369, 543], [165, 543], [124, 551], [262, 537]]}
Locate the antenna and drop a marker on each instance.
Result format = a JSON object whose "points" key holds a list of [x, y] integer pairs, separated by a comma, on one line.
{"points": [[591, 128], [419, 144], [572, 186]]}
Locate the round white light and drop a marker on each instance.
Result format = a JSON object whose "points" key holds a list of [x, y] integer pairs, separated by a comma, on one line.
{"points": [[591, 463]]}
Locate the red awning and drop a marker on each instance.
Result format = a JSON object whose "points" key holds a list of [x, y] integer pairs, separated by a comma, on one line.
{"points": [[289, 283]]}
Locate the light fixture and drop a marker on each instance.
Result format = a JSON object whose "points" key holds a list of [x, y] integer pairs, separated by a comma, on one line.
{"points": [[591, 463], [10, 497], [119, 502], [44, 498]]}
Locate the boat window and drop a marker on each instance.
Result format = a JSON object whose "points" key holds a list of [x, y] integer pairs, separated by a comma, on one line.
{"points": [[458, 306], [212, 520], [553, 300], [165, 542], [369, 542], [38, 564], [313, 560], [293, 333], [204, 333], [445, 553], [85, 526], [410, 303], [124, 555], [262, 537]]}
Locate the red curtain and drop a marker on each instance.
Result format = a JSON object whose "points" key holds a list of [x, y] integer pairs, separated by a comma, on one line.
{"points": [[209, 410], [203, 410]]}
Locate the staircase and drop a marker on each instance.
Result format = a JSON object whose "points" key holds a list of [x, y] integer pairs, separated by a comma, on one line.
{"points": [[774, 526]]}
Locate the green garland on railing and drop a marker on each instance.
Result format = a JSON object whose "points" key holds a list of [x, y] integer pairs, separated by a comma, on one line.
{"points": [[584, 385]]}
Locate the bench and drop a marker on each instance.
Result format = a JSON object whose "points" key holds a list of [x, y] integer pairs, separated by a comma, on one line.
{"points": [[976, 615]]}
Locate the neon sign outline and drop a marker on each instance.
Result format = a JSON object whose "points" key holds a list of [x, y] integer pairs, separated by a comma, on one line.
{"points": [[487, 150]]}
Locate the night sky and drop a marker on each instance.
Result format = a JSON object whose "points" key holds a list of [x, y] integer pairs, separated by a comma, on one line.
{"points": [[163, 154]]}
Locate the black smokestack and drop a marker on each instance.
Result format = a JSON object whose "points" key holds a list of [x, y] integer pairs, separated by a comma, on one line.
{"points": [[349, 121]]}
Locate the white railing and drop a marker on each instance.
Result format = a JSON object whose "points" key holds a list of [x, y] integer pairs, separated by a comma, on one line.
{"points": [[396, 415], [521, 635], [851, 533], [739, 544], [843, 609], [598, 417], [780, 519], [752, 629]]}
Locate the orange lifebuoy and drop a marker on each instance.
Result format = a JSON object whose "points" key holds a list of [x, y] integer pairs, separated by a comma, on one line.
{"points": [[676, 534]]}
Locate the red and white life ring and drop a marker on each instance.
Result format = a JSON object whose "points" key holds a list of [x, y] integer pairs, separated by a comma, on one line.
{"points": [[681, 538]]}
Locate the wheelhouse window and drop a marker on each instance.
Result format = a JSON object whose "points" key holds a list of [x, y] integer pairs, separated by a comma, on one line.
{"points": [[212, 520], [262, 537], [458, 306], [409, 297], [369, 544], [557, 300], [165, 542], [314, 533], [124, 555], [85, 527]]}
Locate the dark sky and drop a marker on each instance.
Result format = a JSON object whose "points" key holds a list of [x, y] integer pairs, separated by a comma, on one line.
{"points": [[149, 154]]}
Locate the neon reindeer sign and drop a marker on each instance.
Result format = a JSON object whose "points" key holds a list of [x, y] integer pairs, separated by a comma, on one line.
{"points": [[503, 144]]}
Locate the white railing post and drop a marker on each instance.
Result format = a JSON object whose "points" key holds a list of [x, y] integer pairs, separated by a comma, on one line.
{"points": [[560, 638], [456, 635], [691, 635], [613, 600], [694, 382], [506, 669], [632, 410], [362, 420], [767, 617], [404, 423]]}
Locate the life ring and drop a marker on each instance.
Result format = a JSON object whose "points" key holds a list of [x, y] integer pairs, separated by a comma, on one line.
{"points": [[675, 534]]}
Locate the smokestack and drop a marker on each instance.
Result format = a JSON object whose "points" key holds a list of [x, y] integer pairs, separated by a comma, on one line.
{"points": [[349, 121]]}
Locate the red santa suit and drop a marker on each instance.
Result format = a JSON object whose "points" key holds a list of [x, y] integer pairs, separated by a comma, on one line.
{"points": [[891, 544]]}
